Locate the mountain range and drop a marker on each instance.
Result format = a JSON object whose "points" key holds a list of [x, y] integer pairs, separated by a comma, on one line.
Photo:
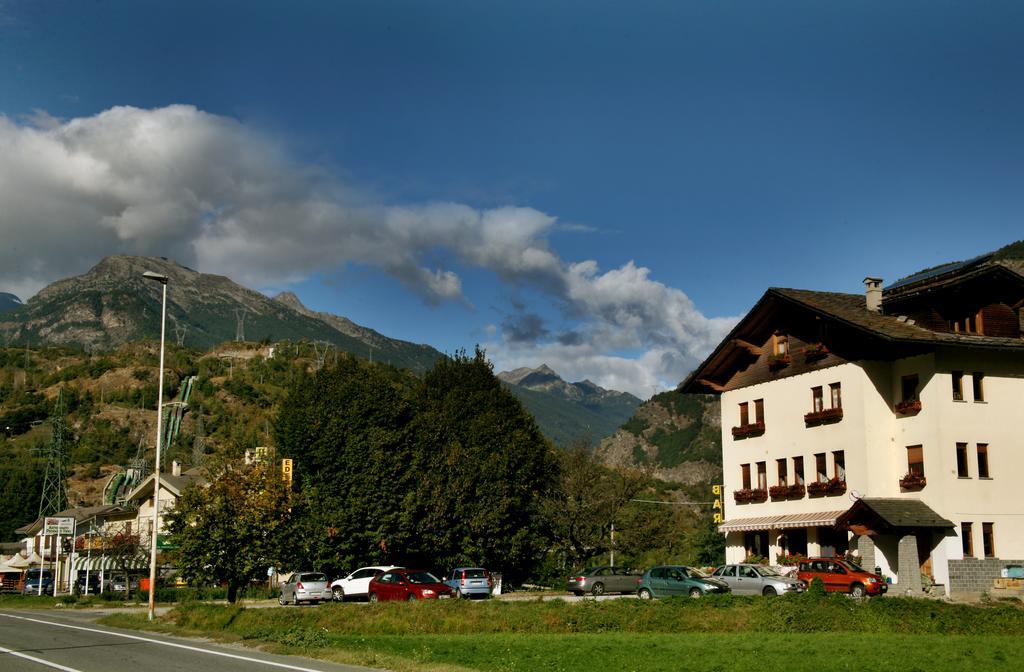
{"points": [[112, 304], [568, 412]]}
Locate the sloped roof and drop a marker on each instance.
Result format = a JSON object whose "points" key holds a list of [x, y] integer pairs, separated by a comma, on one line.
{"points": [[176, 484], [79, 513], [851, 309], [895, 511]]}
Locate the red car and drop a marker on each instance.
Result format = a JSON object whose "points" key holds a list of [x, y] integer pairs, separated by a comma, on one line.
{"points": [[841, 576], [408, 584]]}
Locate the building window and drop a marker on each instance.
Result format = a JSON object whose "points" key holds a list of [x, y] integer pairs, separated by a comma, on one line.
{"points": [[988, 540], [966, 538], [780, 344], [909, 387], [820, 467], [982, 460], [798, 470], [836, 394], [762, 475], [780, 466], [961, 461], [744, 414], [745, 475], [958, 386], [817, 400], [839, 460], [759, 411], [977, 383], [915, 460]]}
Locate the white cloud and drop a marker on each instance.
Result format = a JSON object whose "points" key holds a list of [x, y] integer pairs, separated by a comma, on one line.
{"points": [[220, 197]]}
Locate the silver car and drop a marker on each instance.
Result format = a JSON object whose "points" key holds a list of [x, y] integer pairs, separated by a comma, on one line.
{"points": [[757, 580], [470, 582], [601, 580], [304, 587]]}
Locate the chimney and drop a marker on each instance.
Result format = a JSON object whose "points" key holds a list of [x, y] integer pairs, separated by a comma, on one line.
{"points": [[873, 294], [175, 468]]}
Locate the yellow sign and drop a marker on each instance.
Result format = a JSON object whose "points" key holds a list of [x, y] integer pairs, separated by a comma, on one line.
{"points": [[286, 470], [716, 490], [718, 516]]}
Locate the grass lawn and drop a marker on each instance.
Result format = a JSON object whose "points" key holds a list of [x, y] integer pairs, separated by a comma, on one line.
{"points": [[787, 635]]}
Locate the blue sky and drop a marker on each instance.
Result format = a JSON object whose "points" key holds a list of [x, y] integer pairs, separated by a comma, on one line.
{"points": [[601, 186]]}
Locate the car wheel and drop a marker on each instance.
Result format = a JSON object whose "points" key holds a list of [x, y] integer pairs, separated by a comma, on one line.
{"points": [[338, 593], [644, 594], [695, 593], [373, 598], [769, 592], [857, 590], [598, 589], [458, 594], [411, 598]]}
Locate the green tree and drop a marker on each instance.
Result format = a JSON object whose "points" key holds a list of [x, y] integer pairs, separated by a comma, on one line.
{"points": [[231, 530]]}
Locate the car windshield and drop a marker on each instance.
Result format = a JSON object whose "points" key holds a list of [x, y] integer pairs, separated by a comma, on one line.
{"points": [[474, 573], [849, 565], [422, 577], [696, 573], [313, 577], [766, 571]]}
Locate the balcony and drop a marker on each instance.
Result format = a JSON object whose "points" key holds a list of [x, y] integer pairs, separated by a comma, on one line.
{"points": [[795, 491], [908, 407], [825, 416], [746, 431], [913, 482], [815, 351], [776, 362], [832, 487], [750, 495]]}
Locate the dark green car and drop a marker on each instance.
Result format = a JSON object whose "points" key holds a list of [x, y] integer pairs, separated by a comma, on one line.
{"points": [[669, 580]]}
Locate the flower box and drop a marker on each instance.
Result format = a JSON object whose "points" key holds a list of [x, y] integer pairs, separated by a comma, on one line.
{"points": [[815, 351], [825, 416], [909, 407], [744, 431], [750, 495], [913, 481], [833, 486], [795, 491], [776, 362]]}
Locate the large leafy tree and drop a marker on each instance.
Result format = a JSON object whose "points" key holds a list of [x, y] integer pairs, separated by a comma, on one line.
{"points": [[438, 471], [232, 529]]}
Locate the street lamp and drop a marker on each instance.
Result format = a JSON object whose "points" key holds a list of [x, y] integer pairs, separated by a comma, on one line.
{"points": [[162, 279]]}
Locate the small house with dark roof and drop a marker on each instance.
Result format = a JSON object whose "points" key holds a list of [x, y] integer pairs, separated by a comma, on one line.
{"points": [[886, 422]]}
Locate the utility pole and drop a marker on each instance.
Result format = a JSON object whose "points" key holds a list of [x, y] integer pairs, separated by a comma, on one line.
{"points": [[55, 483], [240, 324]]}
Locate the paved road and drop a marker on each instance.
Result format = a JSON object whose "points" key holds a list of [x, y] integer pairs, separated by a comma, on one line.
{"points": [[36, 641]]}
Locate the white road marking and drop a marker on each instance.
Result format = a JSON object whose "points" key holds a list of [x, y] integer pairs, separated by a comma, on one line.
{"points": [[176, 645], [38, 660]]}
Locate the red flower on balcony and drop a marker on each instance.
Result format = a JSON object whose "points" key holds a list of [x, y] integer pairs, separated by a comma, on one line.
{"points": [[825, 416], [744, 431], [833, 486], [779, 491], [745, 495], [909, 407], [913, 481], [797, 490]]}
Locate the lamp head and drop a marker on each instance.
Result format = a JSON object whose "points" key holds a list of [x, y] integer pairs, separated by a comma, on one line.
{"points": [[159, 277]]}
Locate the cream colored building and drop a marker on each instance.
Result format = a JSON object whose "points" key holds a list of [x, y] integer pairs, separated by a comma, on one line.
{"points": [[888, 423]]}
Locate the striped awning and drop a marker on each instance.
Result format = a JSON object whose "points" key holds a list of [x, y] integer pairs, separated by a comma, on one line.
{"points": [[817, 519]]}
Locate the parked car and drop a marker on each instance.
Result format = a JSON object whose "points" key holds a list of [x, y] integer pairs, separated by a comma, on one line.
{"points": [[470, 582], [668, 580], [601, 580], [357, 584], [32, 581], [407, 584], [304, 587], [93, 582], [842, 576], [746, 579], [120, 584]]}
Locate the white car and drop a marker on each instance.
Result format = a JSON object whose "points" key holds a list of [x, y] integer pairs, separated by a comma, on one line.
{"points": [[357, 584]]}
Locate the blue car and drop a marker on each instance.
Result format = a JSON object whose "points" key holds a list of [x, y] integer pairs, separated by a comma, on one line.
{"points": [[32, 582], [470, 582], [668, 580]]}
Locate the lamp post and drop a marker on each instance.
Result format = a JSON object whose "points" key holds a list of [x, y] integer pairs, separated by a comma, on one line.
{"points": [[162, 279]]}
